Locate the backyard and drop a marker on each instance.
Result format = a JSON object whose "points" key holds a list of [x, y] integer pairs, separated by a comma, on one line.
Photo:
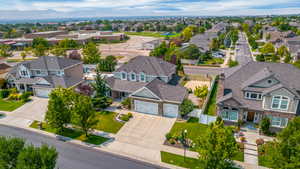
{"points": [[212, 103], [107, 122], [72, 133], [10, 105]]}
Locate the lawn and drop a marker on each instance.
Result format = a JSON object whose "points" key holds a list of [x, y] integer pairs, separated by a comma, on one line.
{"points": [[196, 130], [152, 34], [263, 158], [178, 160], [107, 122], [7, 105], [74, 134], [212, 103]]}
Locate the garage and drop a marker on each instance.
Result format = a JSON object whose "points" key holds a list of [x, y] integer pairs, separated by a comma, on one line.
{"points": [[145, 107], [170, 110], [42, 92]]}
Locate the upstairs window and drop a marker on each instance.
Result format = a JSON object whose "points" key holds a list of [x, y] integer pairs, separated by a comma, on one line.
{"points": [[133, 77], [142, 77], [38, 72], [24, 73], [280, 102], [253, 96], [123, 76]]}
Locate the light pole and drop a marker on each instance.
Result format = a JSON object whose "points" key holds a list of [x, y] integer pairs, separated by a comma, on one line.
{"points": [[184, 142]]}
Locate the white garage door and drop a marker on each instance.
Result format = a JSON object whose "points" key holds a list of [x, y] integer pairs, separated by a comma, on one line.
{"points": [[42, 92], [145, 107], [170, 110]]}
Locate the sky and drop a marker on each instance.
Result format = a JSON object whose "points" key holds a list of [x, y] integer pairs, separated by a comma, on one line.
{"points": [[41, 9]]}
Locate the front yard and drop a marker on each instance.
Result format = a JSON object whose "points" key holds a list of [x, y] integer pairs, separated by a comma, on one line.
{"points": [[263, 157], [178, 160], [107, 122], [10, 105], [72, 133]]}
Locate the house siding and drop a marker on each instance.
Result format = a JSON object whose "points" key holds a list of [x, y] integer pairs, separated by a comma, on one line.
{"points": [[74, 71]]}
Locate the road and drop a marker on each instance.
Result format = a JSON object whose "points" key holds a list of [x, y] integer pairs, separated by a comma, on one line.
{"points": [[72, 156], [243, 53]]}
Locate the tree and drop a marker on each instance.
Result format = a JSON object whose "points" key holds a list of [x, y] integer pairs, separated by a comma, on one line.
{"points": [[84, 114], [9, 151], [100, 85], [284, 53], [40, 42], [59, 108], [57, 51], [5, 51], [201, 92], [108, 64], [218, 147], [160, 51], [191, 52], [214, 45], [36, 158], [39, 50], [67, 44], [188, 32], [284, 152], [268, 49], [91, 54], [186, 107]]}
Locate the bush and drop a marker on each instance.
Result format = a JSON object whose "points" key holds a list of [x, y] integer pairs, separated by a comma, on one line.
{"points": [[130, 115], [101, 102], [14, 96], [4, 93], [186, 107], [126, 117], [126, 103], [265, 125], [201, 92], [168, 136], [13, 90], [2, 83], [25, 96], [260, 141]]}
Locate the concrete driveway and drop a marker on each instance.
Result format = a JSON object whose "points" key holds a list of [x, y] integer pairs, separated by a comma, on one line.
{"points": [[33, 110], [143, 136]]}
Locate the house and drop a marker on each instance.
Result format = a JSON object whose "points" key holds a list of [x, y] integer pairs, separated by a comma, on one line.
{"points": [[152, 44], [293, 44], [257, 90], [146, 81], [44, 74], [203, 41]]}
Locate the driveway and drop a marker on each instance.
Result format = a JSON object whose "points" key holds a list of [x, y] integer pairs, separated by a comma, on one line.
{"points": [[33, 110], [143, 136]]}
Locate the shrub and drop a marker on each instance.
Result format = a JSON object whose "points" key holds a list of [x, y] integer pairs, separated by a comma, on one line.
{"points": [[25, 96], [4, 93], [201, 92], [14, 96], [126, 103], [13, 90], [168, 136], [260, 141], [243, 139], [101, 102], [2, 83], [124, 117], [130, 115], [265, 125], [186, 107]]}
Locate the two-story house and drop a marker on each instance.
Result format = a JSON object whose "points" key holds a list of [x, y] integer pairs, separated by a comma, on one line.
{"points": [[44, 74], [146, 81], [257, 90]]}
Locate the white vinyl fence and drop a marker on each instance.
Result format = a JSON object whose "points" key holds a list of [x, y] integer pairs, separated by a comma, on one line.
{"points": [[206, 119]]}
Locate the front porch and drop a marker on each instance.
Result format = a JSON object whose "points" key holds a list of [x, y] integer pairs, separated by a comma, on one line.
{"points": [[233, 115], [24, 87], [118, 96]]}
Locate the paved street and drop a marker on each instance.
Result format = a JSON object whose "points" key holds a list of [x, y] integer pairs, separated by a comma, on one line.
{"points": [[74, 156], [243, 53]]}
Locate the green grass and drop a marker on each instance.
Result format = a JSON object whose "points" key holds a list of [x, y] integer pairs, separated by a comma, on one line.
{"points": [[74, 134], [263, 158], [196, 130], [212, 103], [107, 122], [7, 105], [152, 34], [178, 160]]}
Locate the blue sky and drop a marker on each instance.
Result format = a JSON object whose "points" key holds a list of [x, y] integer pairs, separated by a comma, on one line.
{"points": [[20, 9]]}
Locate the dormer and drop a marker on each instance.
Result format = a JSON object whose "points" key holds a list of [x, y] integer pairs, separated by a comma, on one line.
{"points": [[123, 75], [24, 72], [132, 76], [142, 77]]}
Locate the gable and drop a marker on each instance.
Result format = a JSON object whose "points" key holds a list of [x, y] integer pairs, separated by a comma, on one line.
{"points": [[282, 92], [231, 102], [146, 93], [42, 81], [266, 83]]}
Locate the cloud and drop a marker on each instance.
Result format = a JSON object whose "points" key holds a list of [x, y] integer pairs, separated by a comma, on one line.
{"points": [[72, 8]]}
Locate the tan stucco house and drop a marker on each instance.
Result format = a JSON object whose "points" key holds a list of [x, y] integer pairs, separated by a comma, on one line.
{"points": [[146, 80], [257, 90], [44, 74]]}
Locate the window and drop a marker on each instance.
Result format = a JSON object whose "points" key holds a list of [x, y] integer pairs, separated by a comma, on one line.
{"points": [[142, 77], [133, 77], [38, 72], [253, 96], [230, 115], [280, 102], [24, 73], [123, 76], [278, 121]]}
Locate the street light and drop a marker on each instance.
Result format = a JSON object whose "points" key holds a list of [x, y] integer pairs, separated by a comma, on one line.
{"points": [[184, 142]]}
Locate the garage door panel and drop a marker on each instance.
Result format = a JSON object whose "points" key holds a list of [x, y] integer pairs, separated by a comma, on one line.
{"points": [[170, 110], [145, 107], [43, 92]]}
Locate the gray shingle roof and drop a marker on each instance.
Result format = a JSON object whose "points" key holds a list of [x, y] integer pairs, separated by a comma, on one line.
{"points": [[148, 65], [123, 85], [167, 92], [51, 63], [286, 74], [203, 41]]}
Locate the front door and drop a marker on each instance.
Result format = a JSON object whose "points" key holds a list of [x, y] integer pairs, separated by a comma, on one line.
{"points": [[250, 116]]}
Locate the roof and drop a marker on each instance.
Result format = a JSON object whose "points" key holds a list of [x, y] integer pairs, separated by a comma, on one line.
{"points": [[203, 41], [50, 63], [4, 66], [123, 85], [241, 79], [149, 65], [167, 92]]}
